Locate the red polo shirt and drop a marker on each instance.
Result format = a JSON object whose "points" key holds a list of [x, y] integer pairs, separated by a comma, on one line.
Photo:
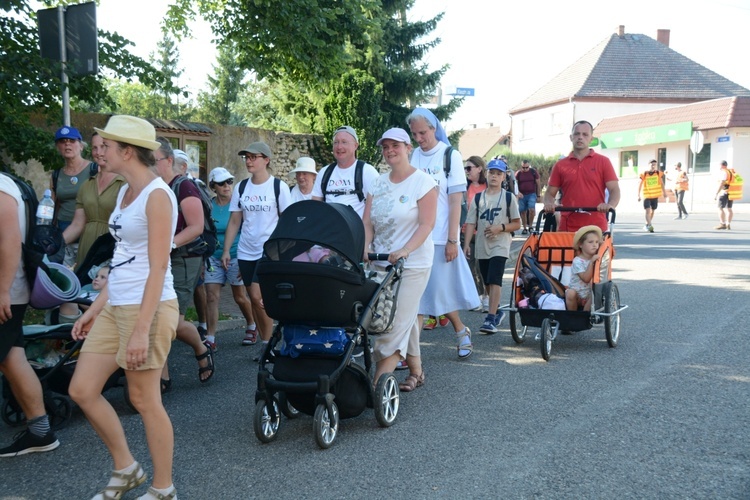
{"points": [[582, 183]]}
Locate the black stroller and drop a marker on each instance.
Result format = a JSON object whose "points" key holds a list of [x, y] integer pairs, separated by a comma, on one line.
{"points": [[53, 353], [314, 284]]}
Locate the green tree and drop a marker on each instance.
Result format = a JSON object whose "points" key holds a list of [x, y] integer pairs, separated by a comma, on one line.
{"points": [[30, 86], [216, 104], [356, 100], [299, 39]]}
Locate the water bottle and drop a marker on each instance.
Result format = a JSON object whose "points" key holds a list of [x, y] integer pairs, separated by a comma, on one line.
{"points": [[46, 210]]}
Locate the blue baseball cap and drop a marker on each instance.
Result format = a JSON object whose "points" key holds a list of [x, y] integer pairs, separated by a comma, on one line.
{"points": [[68, 133], [497, 165]]}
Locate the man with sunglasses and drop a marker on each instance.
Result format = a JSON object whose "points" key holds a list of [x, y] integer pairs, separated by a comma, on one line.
{"points": [[527, 180]]}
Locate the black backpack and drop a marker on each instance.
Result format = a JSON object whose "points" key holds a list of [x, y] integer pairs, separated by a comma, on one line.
{"points": [[47, 240], [276, 192], [206, 244], [358, 185]]}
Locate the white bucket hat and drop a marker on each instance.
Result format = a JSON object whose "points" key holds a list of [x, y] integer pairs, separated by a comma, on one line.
{"points": [[304, 164]]}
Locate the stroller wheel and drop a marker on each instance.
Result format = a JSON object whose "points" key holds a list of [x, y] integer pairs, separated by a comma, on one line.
{"points": [[612, 323], [386, 399], [324, 427], [59, 410], [546, 339], [266, 427], [12, 413], [517, 330], [287, 409]]}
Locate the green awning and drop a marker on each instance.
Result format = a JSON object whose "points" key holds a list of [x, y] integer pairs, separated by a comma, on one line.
{"points": [[651, 135]]}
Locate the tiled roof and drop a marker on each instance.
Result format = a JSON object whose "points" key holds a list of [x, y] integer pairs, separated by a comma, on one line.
{"points": [[633, 67], [176, 125], [479, 141], [717, 113]]}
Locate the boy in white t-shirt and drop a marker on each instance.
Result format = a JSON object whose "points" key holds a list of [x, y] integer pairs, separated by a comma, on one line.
{"points": [[495, 217]]}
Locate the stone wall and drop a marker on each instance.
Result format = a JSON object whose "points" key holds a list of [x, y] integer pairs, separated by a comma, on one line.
{"points": [[223, 145]]}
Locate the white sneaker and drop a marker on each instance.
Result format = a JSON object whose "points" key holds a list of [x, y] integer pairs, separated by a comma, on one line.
{"points": [[645, 228], [485, 303]]}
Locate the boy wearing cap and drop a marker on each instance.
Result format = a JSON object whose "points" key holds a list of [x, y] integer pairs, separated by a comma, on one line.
{"points": [[651, 186], [341, 181], [495, 215], [305, 174]]}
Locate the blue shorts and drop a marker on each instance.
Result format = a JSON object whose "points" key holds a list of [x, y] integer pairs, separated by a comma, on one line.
{"points": [[528, 202], [216, 274]]}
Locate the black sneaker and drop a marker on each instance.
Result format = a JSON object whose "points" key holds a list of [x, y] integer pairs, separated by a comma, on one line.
{"points": [[26, 442]]}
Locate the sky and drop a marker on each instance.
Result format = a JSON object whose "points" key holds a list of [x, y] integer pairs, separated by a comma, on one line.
{"points": [[505, 50]]}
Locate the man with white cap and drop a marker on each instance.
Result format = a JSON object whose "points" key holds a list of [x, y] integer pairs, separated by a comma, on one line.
{"points": [[305, 174], [347, 181]]}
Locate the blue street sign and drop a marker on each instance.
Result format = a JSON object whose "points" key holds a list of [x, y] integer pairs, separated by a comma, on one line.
{"points": [[464, 91], [723, 138]]}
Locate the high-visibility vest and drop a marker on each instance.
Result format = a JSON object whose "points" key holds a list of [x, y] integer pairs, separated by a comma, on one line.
{"points": [[681, 184], [735, 185], [652, 184]]}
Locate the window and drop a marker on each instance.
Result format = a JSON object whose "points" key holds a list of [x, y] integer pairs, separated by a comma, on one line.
{"points": [[197, 150], [557, 124], [629, 163], [703, 159], [526, 129]]}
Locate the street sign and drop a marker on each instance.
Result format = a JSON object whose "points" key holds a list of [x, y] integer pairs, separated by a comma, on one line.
{"points": [[464, 91], [723, 138], [80, 37], [696, 142]]}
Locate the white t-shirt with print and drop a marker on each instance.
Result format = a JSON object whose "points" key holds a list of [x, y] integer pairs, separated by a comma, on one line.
{"points": [[431, 162], [19, 289], [395, 216], [130, 264], [493, 210], [342, 181], [260, 213]]}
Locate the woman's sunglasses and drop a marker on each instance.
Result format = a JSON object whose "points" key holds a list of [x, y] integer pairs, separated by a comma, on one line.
{"points": [[224, 183]]}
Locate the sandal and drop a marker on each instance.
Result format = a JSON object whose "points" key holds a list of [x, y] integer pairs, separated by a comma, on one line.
{"points": [[152, 493], [166, 385], [131, 481], [412, 382], [466, 347], [208, 355]]}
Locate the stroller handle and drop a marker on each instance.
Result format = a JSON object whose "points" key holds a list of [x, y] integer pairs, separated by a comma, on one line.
{"points": [[610, 212], [378, 256]]}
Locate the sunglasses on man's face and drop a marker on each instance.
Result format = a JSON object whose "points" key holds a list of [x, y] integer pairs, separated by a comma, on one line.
{"points": [[224, 183]]}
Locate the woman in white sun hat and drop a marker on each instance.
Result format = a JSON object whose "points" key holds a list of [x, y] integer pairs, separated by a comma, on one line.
{"points": [[304, 173], [133, 321]]}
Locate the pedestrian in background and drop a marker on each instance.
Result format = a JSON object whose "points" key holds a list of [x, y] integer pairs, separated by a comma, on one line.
{"points": [[680, 187]]}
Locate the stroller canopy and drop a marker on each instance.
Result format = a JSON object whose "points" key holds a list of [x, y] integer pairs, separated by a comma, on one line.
{"points": [[307, 223]]}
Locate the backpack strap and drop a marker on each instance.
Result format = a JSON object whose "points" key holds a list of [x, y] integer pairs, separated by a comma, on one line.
{"points": [[326, 178], [477, 197], [276, 193], [507, 203], [447, 163], [176, 190], [55, 177], [358, 184], [240, 191]]}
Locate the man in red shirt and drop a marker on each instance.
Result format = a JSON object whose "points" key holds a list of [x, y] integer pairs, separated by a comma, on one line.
{"points": [[583, 177]]}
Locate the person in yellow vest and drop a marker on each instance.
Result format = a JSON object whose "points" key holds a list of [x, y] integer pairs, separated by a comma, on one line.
{"points": [[650, 188], [680, 186], [722, 195]]}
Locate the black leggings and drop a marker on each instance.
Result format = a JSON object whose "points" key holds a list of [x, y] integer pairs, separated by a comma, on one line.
{"points": [[680, 196]]}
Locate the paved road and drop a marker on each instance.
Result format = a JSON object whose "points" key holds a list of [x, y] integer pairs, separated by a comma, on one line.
{"points": [[664, 415]]}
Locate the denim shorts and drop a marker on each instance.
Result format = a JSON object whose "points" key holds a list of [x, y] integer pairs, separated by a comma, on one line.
{"points": [[216, 274], [528, 202]]}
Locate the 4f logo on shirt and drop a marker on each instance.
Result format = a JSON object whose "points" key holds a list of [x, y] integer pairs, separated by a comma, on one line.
{"points": [[490, 214]]}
